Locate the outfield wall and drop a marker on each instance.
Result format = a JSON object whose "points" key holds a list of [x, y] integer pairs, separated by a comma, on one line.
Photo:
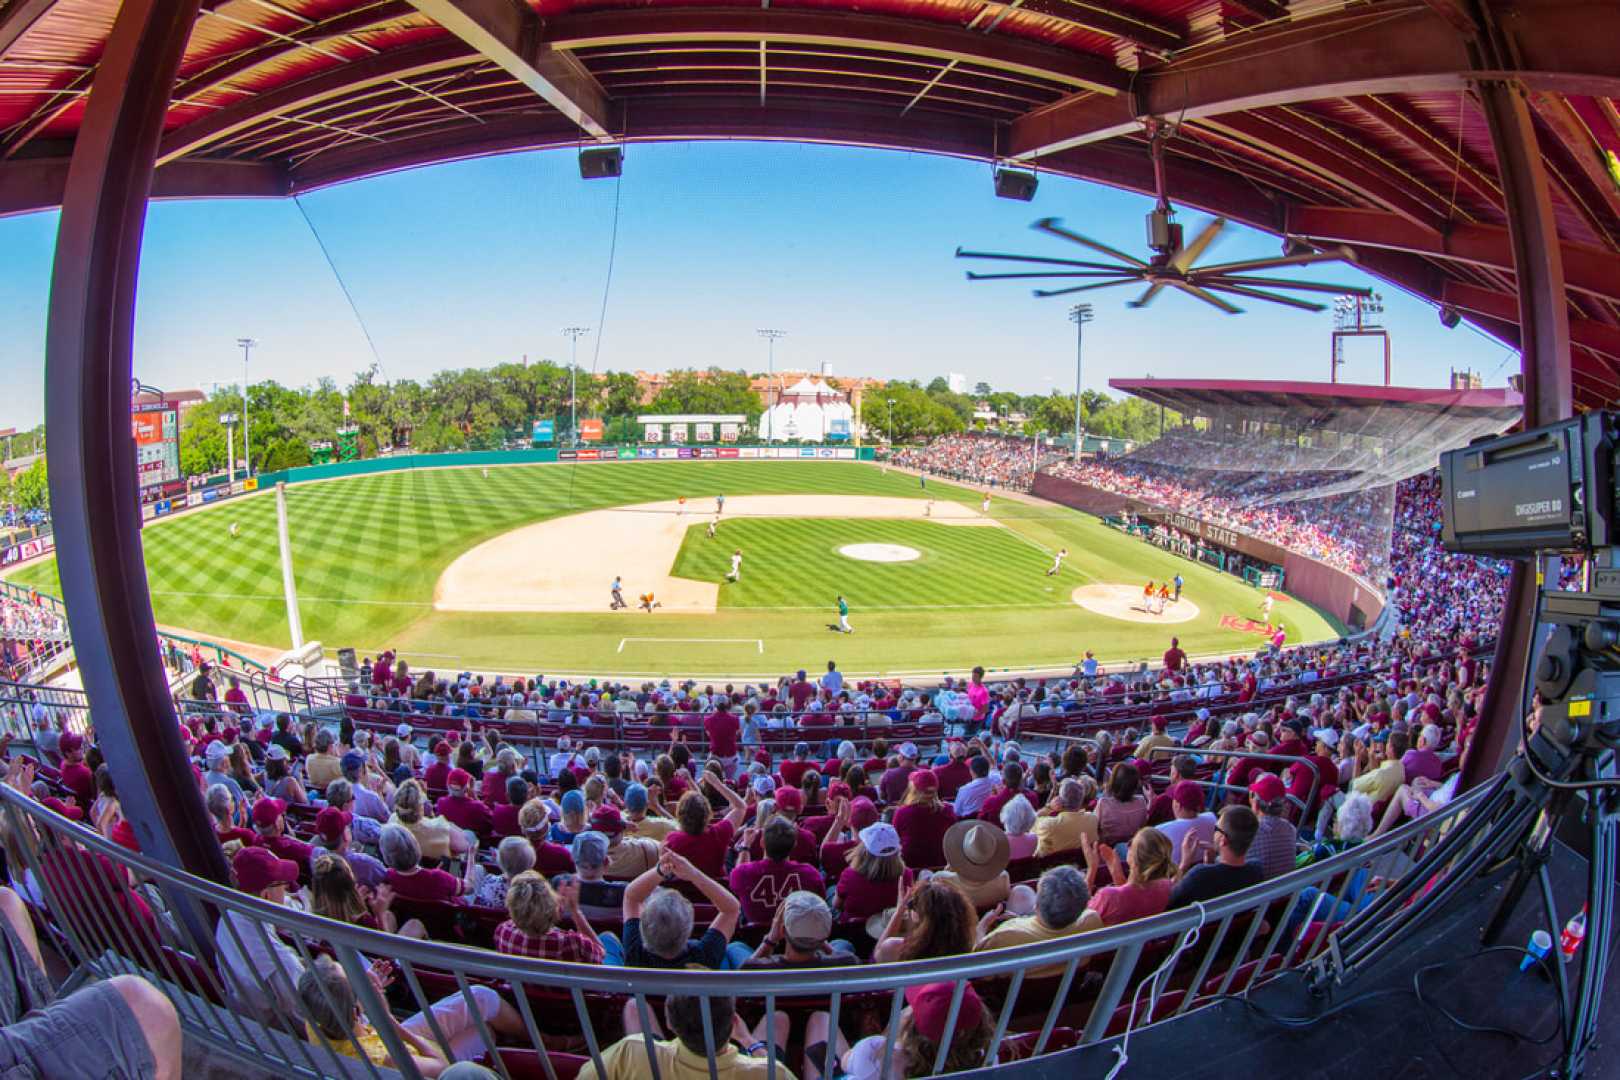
{"points": [[1347, 597], [486, 458]]}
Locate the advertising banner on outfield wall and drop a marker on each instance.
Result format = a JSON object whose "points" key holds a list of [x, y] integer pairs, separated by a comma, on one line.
{"points": [[250, 484], [194, 498], [568, 455], [667, 452], [590, 431], [728, 451], [748, 451], [647, 452], [544, 431], [211, 495]]}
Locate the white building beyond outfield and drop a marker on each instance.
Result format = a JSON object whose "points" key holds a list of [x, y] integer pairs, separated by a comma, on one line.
{"points": [[810, 411]]}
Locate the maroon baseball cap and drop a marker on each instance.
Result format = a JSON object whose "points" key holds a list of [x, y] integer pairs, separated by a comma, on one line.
{"points": [[838, 790], [925, 779], [331, 822], [458, 778], [257, 869], [1267, 787], [607, 820], [789, 798], [70, 742], [862, 812], [441, 749], [267, 812], [1160, 723], [1188, 794], [931, 1007]]}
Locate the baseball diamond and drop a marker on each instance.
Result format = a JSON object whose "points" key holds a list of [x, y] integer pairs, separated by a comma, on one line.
{"points": [[393, 559]]}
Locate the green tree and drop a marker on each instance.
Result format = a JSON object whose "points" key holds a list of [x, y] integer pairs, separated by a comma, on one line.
{"points": [[939, 385], [711, 391], [982, 389], [31, 488]]}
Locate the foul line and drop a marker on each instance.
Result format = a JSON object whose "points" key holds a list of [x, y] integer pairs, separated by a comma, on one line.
{"points": [[760, 642]]}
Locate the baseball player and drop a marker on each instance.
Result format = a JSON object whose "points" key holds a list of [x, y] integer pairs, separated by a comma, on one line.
{"points": [[736, 567], [843, 616], [984, 504], [236, 530], [713, 525], [618, 594], [1147, 598], [1265, 608], [648, 603], [680, 506], [1164, 597], [1057, 562], [928, 509]]}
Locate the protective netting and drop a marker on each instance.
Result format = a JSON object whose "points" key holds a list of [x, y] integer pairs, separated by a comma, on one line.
{"points": [[1319, 480]]}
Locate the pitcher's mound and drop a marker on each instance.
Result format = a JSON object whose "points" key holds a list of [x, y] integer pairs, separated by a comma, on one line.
{"points": [[880, 552], [1125, 602]]}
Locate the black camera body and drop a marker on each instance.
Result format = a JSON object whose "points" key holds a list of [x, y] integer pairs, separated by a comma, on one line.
{"points": [[1551, 489]]}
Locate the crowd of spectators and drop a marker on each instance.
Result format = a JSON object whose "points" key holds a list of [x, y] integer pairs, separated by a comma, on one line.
{"points": [[990, 460], [29, 634], [1315, 512]]}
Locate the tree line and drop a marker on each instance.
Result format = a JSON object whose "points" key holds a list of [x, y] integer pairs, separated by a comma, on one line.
{"points": [[493, 408]]}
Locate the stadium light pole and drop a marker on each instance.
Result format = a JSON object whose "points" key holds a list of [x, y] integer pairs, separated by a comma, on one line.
{"points": [[573, 334], [891, 422], [229, 420], [771, 337], [1080, 314], [247, 344]]}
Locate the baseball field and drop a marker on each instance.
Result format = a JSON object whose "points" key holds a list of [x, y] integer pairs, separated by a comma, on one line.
{"points": [[510, 570]]}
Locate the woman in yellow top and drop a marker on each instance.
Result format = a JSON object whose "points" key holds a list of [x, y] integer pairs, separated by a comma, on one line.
{"points": [[334, 1015], [437, 838]]}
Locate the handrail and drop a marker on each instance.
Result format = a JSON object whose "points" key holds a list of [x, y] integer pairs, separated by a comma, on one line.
{"points": [[91, 921]]}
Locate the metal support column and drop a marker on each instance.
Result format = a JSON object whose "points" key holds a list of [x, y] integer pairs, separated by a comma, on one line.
{"points": [[94, 501], [1545, 363]]}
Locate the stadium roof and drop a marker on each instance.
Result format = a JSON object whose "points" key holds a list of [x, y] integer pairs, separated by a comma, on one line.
{"points": [[1199, 395], [1332, 123]]}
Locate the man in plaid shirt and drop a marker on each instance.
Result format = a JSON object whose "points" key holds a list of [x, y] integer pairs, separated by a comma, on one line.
{"points": [[531, 929]]}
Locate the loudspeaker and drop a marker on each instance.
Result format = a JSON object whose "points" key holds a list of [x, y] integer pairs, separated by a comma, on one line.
{"points": [[1449, 316], [1015, 184], [601, 162]]}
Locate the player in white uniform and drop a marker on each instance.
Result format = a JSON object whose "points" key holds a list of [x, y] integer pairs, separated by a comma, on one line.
{"points": [[1057, 562], [713, 525], [984, 504], [236, 530], [928, 510], [736, 566], [1265, 608]]}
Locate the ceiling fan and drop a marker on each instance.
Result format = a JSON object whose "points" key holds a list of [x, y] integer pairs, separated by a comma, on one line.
{"points": [[1172, 261]]}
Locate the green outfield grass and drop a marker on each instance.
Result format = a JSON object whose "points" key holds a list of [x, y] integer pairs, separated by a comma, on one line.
{"points": [[368, 551]]}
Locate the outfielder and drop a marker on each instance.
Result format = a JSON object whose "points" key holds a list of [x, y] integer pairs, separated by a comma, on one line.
{"points": [[236, 530], [1057, 562], [736, 567], [843, 616], [714, 524]]}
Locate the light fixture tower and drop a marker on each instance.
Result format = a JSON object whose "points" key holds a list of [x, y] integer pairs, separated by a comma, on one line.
{"points": [[1080, 314], [573, 334], [229, 420], [770, 356], [247, 345]]}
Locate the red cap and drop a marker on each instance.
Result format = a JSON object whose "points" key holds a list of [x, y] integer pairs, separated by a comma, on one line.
{"points": [[331, 822], [72, 813], [925, 779], [266, 812], [1160, 723], [441, 749], [862, 812], [229, 734], [124, 833], [1188, 794], [789, 798], [931, 1007], [838, 790], [607, 820], [1267, 787], [70, 742], [257, 869], [458, 778]]}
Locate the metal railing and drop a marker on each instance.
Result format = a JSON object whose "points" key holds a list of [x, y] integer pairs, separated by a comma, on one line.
{"points": [[113, 912]]}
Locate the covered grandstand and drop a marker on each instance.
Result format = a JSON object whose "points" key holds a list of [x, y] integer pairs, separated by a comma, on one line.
{"points": [[1293, 482]]}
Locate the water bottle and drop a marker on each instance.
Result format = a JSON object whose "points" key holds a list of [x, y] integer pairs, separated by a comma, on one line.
{"points": [[1574, 933]]}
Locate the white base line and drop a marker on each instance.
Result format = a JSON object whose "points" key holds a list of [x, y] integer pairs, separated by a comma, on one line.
{"points": [[759, 642]]}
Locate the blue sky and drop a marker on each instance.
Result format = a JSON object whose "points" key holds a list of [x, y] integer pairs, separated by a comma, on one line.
{"points": [[849, 251]]}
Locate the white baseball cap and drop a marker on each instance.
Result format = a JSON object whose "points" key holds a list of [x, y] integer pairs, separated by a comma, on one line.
{"points": [[880, 839]]}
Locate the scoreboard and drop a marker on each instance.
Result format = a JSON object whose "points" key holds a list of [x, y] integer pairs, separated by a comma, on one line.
{"points": [[156, 427]]}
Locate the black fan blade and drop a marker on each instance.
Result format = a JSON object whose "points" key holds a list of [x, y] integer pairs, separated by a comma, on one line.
{"points": [[1189, 254], [1206, 296], [1086, 288], [1204, 277], [1053, 227], [1044, 274], [1275, 298], [1146, 298], [961, 254], [1336, 254]]}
